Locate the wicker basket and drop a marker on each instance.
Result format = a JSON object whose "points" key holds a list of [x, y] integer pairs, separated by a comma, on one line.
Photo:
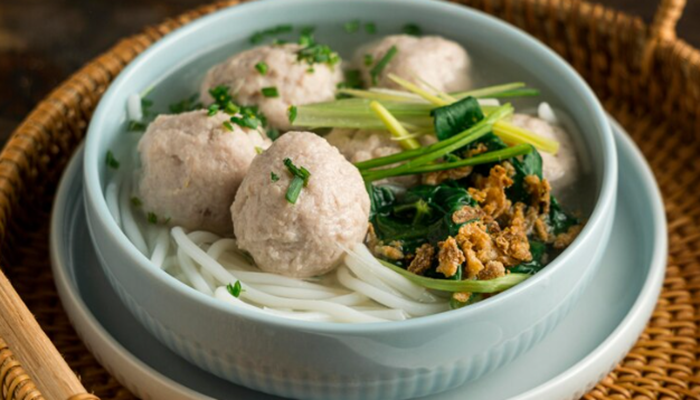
{"points": [[647, 78]]}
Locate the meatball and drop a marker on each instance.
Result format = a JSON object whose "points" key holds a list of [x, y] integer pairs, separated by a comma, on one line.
{"points": [[296, 81], [442, 63], [562, 169], [361, 145], [300, 240], [191, 168]]}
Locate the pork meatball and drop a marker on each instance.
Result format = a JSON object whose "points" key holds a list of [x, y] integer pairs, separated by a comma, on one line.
{"points": [[442, 63], [191, 168], [300, 240], [297, 83], [361, 145], [562, 169]]}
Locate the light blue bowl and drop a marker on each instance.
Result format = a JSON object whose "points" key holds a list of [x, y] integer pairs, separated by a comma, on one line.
{"points": [[393, 360]]}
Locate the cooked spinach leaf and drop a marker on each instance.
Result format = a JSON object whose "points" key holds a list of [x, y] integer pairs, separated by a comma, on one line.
{"points": [[559, 220], [538, 251], [457, 117]]}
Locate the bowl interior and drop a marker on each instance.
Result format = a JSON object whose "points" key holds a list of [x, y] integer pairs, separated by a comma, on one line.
{"points": [[173, 68]]}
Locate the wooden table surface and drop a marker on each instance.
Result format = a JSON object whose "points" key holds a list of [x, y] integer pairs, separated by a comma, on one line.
{"points": [[44, 41]]}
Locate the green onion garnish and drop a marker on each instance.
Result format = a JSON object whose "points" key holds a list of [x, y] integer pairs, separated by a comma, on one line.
{"points": [[258, 37], [369, 60], [412, 29], [136, 202], [235, 289], [381, 64], [212, 110], [468, 285], [292, 113], [228, 126], [274, 177], [270, 92], [111, 161], [136, 126], [273, 134], [258, 150], [261, 67], [300, 180], [352, 26], [371, 28], [152, 218]]}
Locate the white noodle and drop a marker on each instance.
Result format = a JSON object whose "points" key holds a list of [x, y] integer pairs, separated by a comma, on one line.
{"points": [[411, 307], [160, 251], [295, 293], [190, 271], [112, 199], [129, 224]]}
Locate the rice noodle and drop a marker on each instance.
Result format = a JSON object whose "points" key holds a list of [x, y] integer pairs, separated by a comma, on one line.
{"points": [[208, 263]]}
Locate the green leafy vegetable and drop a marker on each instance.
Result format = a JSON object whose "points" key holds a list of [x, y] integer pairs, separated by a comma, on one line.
{"points": [[457, 117], [538, 251], [270, 92], [110, 161], [235, 289], [381, 64], [558, 220]]}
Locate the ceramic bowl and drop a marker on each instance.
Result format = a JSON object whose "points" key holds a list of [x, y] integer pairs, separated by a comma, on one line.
{"points": [[392, 360]]}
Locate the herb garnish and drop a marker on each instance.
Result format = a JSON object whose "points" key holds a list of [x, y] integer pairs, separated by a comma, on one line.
{"points": [[274, 177], [259, 150], [185, 105], [235, 289], [369, 60], [412, 29], [352, 26], [273, 134], [381, 64], [270, 92], [136, 202], [228, 126], [315, 53], [371, 28], [136, 126], [111, 161], [243, 116], [152, 218], [292, 113], [258, 37], [261, 67], [300, 179]]}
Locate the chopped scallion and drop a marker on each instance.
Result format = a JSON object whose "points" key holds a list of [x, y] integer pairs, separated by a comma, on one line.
{"points": [[152, 218], [235, 289], [270, 92], [274, 177], [381, 64], [111, 161], [352, 26], [261, 67], [292, 113]]}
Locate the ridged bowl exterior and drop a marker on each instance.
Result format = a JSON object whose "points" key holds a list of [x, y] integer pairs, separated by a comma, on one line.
{"points": [[394, 360]]}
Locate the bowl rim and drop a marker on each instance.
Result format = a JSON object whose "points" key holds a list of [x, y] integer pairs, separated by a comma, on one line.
{"points": [[94, 196]]}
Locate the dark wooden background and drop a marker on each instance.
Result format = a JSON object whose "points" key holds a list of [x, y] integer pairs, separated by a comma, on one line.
{"points": [[44, 41]]}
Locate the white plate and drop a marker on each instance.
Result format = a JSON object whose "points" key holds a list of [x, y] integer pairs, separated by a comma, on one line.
{"points": [[577, 354]]}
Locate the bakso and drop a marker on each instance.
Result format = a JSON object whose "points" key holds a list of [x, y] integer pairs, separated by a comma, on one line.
{"points": [[299, 236], [274, 77], [442, 63], [192, 167]]}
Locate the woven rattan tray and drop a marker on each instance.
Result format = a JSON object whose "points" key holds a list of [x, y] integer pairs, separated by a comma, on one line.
{"points": [[647, 79]]}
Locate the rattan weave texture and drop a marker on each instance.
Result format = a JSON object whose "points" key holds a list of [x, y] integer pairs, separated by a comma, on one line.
{"points": [[647, 79]]}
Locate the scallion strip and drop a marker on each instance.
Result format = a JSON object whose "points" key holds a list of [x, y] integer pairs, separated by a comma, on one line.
{"points": [[394, 126], [437, 150], [486, 158], [420, 92], [513, 134], [294, 189], [381, 64], [471, 286]]}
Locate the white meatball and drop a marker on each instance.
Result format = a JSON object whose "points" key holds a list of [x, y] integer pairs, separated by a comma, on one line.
{"points": [[297, 82], [442, 63], [191, 168], [562, 169], [361, 145], [301, 239]]}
